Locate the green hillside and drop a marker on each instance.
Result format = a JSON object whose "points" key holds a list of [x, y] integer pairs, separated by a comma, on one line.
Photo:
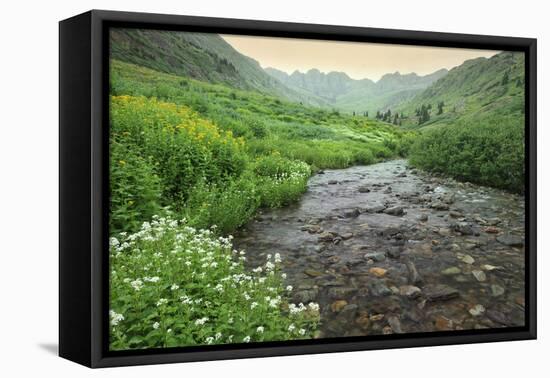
{"points": [[472, 122], [478, 88], [202, 56]]}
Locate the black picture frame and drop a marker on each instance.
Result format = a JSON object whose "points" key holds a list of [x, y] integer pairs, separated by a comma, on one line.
{"points": [[83, 182]]}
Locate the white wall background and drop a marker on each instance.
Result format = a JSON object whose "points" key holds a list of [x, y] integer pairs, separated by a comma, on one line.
{"points": [[28, 186]]}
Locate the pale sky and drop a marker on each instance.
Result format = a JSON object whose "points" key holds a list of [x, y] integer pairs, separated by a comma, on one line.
{"points": [[357, 59]]}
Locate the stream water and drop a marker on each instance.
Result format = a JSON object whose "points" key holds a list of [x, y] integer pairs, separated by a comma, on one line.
{"points": [[388, 249]]}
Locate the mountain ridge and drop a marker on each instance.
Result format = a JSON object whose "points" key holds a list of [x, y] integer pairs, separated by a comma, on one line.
{"points": [[360, 95]]}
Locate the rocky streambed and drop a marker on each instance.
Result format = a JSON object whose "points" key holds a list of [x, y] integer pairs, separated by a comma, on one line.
{"points": [[388, 249]]}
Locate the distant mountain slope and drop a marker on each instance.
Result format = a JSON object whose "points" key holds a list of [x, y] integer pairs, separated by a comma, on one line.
{"points": [[202, 56], [349, 94], [481, 87], [327, 86]]}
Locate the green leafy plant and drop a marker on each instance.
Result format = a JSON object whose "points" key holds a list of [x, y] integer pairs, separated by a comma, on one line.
{"points": [[174, 285]]}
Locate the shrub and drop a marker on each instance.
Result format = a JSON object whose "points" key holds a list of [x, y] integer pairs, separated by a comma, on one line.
{"points": [[490, 152], [226, 206], [280, 180], [184, 147], [135, 190], [172, 285]]}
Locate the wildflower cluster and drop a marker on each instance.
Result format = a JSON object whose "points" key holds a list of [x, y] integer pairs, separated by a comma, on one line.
{"points": [[174, 285]]}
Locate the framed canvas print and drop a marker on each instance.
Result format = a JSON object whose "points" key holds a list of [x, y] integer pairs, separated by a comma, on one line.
{"points": [[234, 188]]}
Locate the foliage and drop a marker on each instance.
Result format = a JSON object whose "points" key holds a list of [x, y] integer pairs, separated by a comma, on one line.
{"points": [[173, 285], [479, 88], [135, 188], [489, 152]]}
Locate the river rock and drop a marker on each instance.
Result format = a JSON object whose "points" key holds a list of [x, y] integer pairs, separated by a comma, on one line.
{"points": [[492, 230], [451, 271], [326, 236], [394, 252], [477, 310], [497, 317], [510, 240], [363, 321], [395, 210], [414, 276], [346, 235], [493, 221], [305, 296], [496, 290], [341, 292], [332, 182], [395, 324], [337, 306], [376, 256], [455, 214], [410, 291], [313, 273], [439, 292], [348, 312], [334, 259], [422, 218], [351, 213], [464, 228], [439, 206], [311, 228], [363, 189], [387, 190], [375, 208], [378, 272], [479, 275], [390, 232], [443, 323], [376, 317], [378, 288], [387, 330], [489, 267], [467, 259]]}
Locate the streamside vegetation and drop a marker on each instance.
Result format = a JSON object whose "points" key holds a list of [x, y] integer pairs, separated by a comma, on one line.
{"points": [[191, 162]]}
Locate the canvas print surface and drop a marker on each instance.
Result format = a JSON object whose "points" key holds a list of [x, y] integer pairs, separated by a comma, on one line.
{"points": [[268, 189]]}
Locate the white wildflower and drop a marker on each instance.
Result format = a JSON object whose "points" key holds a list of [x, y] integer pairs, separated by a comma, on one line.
{"points": [[174, 287], [137, 284], [313, 306], [162, 301], [113, 242], [260, 329], [201, 321], [156, 325], [246, 339], [115, 317]]}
